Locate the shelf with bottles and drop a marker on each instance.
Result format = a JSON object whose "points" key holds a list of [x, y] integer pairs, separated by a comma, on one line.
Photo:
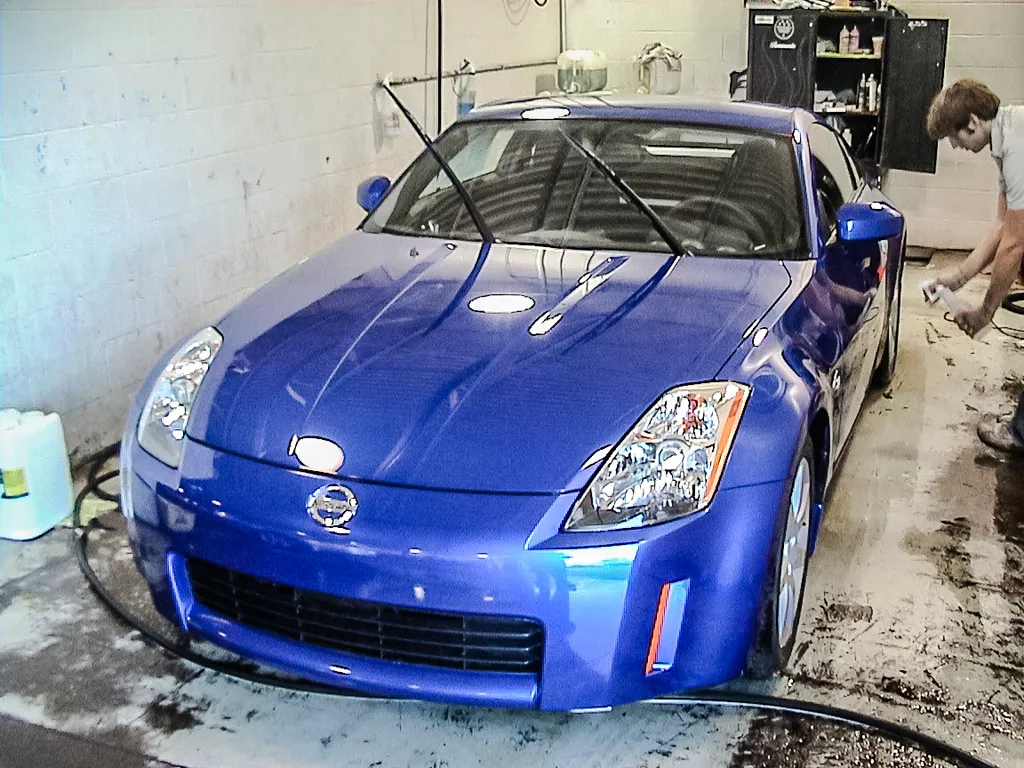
{"points": [[843, 112], [854, 15], [850, 36], [866, 56], [855, 91]]}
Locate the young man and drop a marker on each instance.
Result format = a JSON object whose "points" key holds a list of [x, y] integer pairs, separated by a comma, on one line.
{"points": [[970, 115]]}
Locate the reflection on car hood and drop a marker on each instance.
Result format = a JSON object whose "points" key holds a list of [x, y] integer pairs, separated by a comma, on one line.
{"points": [[372, 344]]}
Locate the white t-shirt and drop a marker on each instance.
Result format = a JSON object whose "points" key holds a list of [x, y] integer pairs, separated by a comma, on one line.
{"points": [[1008, 152]]}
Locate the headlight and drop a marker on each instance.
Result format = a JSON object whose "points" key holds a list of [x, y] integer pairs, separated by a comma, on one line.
{"points": [[162, 426], [669, 464]]}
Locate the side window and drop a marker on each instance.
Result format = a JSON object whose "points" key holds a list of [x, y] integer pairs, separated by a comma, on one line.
{"points": [[833, 177], [851, 164], [477, 158], [829, 150], [830, 196]]}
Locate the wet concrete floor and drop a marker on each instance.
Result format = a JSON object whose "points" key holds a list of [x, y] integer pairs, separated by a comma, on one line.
{"points": [[914, 613]]}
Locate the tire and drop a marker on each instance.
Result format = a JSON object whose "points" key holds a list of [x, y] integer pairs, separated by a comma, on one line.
{"points": [[782, 595], [886, 370]]}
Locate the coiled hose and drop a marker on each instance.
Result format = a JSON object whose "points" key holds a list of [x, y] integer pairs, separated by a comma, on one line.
{"points": [[1014, 302]]}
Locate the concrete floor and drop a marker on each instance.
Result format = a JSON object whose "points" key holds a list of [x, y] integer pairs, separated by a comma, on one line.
{"points": [[914, 612]]}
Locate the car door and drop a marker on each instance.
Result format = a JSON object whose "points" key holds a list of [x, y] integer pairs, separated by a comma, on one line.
{"points": [[851, 274]]}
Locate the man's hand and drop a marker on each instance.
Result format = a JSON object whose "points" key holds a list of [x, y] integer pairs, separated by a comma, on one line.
{"points": [[951, 278], [970, 321]]}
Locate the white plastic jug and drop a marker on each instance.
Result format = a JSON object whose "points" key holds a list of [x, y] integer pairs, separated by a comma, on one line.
{"points": [[36, 477]]}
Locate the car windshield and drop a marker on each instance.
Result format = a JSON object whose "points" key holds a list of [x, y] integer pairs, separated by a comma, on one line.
{"points": [[720, 191]]}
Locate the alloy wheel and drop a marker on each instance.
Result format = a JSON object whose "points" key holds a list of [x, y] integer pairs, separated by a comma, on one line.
{"points": [[793, 563]]}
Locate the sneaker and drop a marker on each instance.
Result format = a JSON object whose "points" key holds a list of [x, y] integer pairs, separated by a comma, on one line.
{"points": [[994, 431]]}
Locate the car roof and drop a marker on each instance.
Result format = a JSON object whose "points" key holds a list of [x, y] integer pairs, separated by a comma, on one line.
{"points": [[762, 117]]}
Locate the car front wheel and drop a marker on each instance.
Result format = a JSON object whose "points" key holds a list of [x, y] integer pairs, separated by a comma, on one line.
{"points": [[783, 592], [886, 370]]}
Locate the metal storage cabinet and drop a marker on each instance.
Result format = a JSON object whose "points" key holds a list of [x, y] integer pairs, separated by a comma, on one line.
{"points": [[784, 66], [914, 68], [780, 57]]}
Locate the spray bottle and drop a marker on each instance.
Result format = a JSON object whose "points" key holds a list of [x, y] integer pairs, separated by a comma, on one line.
{"points": [[465, 87]]}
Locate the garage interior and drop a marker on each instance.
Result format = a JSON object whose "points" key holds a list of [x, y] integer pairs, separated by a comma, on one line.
{"points": [[163, 159]]}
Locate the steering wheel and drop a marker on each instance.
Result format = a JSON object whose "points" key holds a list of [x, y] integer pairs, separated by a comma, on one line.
{"points": [[751, 224]]}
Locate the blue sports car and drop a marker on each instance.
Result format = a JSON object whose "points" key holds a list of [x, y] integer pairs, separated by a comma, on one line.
{"points": [[552, 428]]}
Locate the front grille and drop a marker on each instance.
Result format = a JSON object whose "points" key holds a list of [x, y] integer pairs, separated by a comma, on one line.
{"points": [[455, 641]]}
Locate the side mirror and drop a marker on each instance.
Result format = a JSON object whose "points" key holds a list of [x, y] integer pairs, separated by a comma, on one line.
{"points": [[869, 221], [371, 191]]}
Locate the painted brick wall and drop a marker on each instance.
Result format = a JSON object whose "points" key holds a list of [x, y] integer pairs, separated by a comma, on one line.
{"points": [[956, 206], [950, 209], [710, 35], [160, 160]]}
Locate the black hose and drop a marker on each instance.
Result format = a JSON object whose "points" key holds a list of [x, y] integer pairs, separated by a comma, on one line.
{"points": [[931, 746], [1014, 302], [95, 465], [180, 649], [893, 731]]}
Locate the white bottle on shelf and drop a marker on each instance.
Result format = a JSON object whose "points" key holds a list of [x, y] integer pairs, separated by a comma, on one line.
{"points": [[844, 40], [872, 93]]}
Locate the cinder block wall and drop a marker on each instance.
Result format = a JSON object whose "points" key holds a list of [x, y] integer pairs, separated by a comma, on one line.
{"points": [[710, 35], [955, 207], [950, 209], [159, 160]]}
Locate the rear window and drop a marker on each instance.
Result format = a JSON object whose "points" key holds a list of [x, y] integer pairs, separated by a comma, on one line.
{"points": [[720, 191]]}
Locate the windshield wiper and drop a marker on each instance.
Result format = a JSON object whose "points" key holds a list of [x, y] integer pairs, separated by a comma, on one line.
{"points": [[659, 225], [485, 232]]}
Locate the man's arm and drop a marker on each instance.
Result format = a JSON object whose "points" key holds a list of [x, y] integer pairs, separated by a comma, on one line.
{"points": [[957, 277], [1007, 263], [1004, 271]]}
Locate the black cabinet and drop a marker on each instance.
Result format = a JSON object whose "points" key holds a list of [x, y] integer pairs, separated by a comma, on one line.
{"points": [[799, 58], [914, 68], [780, 58]]}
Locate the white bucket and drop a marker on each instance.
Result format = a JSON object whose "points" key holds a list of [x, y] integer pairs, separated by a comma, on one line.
{"points": [[36, 477]]}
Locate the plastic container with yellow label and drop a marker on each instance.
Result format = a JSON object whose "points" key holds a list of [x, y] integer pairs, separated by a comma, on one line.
{"points": [[36, 491]]}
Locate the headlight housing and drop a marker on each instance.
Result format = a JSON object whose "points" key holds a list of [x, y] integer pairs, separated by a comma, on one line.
{"points": [[669, 464], [161, 431]]}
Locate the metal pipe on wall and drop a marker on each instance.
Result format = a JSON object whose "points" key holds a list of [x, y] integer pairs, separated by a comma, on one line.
{"points": [[561, 26], [453, 73], [440, 62]]}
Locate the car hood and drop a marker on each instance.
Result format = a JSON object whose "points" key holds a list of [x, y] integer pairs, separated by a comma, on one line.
{"points": [[372, 344]]}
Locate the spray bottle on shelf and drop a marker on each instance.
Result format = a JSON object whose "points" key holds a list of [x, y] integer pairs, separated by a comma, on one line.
{"points": [[862, 93], [465, 87], [844, 40]]}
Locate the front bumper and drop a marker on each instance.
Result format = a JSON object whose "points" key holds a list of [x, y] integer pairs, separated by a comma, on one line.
{"points": [[596, 595]]}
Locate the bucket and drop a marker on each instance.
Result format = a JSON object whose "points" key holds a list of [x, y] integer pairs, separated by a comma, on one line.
{"points": [[35, 477]]}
